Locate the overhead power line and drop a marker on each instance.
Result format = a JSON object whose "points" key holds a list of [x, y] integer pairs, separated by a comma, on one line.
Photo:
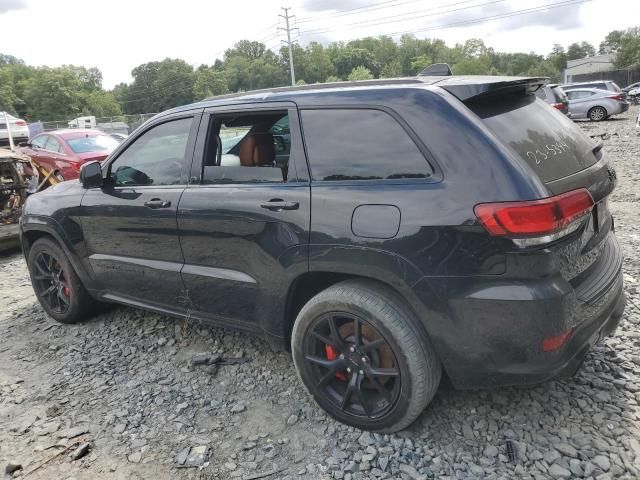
{"points": [[515, 13], [373, 7], [411, 16]]}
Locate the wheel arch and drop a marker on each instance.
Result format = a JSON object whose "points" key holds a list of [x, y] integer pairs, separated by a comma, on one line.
{"points": [[307, 285], [34, 228]]}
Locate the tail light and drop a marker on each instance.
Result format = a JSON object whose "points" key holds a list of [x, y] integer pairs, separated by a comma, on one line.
{"points": [[619, 97], [536, 222], [21, 123], [559, 106]]}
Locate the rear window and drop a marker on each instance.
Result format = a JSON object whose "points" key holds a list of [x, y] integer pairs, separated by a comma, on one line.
{"points": [[551, 144], [360, 144], [96, 143]]}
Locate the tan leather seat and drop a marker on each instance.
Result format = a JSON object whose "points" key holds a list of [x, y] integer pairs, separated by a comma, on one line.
{"points": [[257, 150]]}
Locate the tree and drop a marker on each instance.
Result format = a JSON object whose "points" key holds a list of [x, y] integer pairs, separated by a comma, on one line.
{"points": [[628, 49], [580, 50], [360, 73], [209, 82], [558, 57], [349, 58], [612, 42], [101, 104], [332, 79]]}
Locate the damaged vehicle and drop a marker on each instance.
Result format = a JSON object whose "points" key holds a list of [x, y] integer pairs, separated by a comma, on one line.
{"points": [[387, 232], [16, 181]]}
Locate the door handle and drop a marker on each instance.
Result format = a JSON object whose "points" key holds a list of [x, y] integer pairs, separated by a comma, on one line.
{"points": [[277, 205], [157, 203]]}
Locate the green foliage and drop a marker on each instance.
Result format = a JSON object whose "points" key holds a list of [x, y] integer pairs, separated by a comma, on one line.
{"points": [[360, 73], [627, 48], [209, 82], [44, 93], [580, 50]]}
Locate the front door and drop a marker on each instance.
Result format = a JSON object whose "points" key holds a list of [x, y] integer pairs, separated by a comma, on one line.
{"points": [[129, 224], [244, 224]]}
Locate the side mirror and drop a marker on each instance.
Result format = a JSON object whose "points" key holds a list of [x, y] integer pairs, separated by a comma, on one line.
{"points": [[91, 175], [25, 144]]}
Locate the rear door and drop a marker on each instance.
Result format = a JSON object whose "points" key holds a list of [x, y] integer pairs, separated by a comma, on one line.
{"points": [[244, 219], [579, 102]]}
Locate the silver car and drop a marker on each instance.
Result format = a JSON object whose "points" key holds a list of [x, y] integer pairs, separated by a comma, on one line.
{"points": [[595, 104], [19, 129]]}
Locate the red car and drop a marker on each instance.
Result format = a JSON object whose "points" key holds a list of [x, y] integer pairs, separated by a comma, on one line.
{"points": [[65, 151]]}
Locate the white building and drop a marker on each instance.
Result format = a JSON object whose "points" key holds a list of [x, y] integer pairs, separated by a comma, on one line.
{"points": [[597, 63]]}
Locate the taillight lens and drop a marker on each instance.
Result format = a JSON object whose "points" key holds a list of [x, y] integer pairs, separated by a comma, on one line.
{"points": [[21, 123], [559, 106], [619, 96], [536, 221]]}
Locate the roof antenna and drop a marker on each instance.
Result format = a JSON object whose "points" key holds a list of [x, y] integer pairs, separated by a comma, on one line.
{"points": [[436, 70]]}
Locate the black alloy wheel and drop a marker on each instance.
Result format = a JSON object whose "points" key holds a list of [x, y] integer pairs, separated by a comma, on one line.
{"points": [[352, 365], [364, 356], [56, 284], [51, 283]]}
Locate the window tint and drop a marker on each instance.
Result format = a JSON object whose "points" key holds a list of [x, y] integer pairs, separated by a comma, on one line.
{"points": [[552, 145], [541, 93], [53, 144], [39, 141], [360, 144], [94, 143], [155, 158], [249, 148]]}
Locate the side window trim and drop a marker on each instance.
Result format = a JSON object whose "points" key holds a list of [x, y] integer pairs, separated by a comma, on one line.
{"points": [[189, 150], [436, 172], [209, 115]]}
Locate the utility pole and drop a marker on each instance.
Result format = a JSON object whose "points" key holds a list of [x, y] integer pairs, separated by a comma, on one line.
{"points": [[288, 29]]}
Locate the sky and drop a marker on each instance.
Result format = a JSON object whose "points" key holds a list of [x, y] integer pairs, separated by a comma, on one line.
{"points": [[118, 35]]}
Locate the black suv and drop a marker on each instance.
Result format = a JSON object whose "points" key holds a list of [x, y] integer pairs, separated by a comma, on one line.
{"points": [[386, 231]]}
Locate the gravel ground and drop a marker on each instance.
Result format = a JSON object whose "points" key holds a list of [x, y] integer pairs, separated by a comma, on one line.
{"points": [[126, 395]]}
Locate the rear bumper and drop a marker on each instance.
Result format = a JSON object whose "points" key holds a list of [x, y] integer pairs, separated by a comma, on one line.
{"points": [[493, 334]]}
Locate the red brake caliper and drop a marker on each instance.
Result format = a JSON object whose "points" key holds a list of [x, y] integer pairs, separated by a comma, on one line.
{"points": [[332, 355]]}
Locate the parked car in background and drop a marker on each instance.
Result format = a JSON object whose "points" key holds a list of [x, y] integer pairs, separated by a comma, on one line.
{"points": [[19, 129], [65, 151], [554, 96], [595, 104], [602, 85], [347, 245]]}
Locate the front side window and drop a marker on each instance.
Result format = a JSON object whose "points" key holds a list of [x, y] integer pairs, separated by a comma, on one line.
{"points": [[360, 144], [247, 148], [155, 158], [39, 141]]}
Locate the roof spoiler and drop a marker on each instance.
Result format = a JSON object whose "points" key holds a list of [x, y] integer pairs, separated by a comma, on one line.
{"points": [[476, 88]]}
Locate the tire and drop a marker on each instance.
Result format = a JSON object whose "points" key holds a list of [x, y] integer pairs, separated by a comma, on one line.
{"points": [[597, 114], [330, 366], [68, 300]]}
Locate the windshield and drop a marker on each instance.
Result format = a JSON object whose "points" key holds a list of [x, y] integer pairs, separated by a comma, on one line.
{"points": [[551, 144], [95, 143]]}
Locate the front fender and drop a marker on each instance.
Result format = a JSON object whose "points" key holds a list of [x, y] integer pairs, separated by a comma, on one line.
{"points": [[34, 226]]}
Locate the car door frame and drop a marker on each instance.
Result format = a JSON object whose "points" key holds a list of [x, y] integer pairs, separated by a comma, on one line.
{"points": [[274, 326], [196, 114]]}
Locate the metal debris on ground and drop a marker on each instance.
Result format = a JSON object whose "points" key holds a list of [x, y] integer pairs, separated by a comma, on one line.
{"points": [[511, 454], [192, 457]]}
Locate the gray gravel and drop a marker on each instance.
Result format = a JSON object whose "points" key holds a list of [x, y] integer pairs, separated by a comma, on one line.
{"points": [[144, 396]]}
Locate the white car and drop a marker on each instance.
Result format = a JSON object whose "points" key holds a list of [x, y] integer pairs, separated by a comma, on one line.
{"points": [[19, 129]]}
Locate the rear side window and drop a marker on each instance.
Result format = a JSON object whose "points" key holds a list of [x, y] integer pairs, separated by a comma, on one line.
{"points": [[552, 145], [360, 144]]}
